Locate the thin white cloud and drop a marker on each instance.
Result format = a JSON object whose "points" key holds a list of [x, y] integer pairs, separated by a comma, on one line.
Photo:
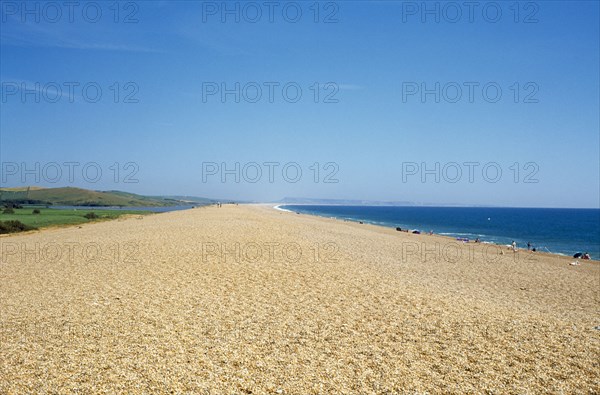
{"points": [[28, 34]]}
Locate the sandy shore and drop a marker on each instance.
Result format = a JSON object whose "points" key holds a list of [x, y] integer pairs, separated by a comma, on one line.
{"points": [[247, 299]]}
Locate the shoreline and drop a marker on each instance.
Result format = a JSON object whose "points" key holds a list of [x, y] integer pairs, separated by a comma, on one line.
{"points": [[449, 237]]}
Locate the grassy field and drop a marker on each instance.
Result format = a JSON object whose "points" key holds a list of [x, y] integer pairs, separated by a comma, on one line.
{"points": [[56, 217]]}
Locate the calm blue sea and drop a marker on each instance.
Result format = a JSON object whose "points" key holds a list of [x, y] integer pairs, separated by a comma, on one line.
{"points": [[562, 231]]}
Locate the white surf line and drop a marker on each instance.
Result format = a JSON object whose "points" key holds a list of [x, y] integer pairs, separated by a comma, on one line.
{"points": [[282, 209]]}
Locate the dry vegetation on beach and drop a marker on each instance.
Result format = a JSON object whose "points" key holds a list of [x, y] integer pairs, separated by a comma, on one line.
{"points": [[309, 306]]}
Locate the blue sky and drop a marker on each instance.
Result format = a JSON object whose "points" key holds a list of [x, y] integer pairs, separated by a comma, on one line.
{"points": [[378, 135]]}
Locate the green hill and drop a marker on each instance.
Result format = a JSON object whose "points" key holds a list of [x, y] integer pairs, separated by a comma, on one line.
{"points": [[187, 199], [69, 196]]}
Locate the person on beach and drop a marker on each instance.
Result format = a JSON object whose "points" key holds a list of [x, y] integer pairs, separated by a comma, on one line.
{"points": [[586, 256], [514, 246], [528, 246]]}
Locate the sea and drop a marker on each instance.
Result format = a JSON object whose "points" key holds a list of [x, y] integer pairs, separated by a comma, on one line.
{"points": [[555, 230]]}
